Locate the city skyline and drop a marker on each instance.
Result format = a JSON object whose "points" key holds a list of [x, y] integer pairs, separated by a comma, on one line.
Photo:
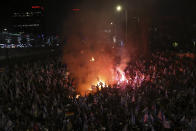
{"points": [[56, 12]]}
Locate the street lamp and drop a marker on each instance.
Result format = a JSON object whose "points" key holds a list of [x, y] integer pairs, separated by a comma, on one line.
{"points": [[119, 9]]}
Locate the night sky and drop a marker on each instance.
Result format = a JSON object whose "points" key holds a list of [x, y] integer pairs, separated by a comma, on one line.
{"points": [[56, 11]]}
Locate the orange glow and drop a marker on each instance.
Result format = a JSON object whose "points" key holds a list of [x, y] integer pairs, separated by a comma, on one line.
{"points": [[121, 76], [101, 84], [77, 96], [92, 59]]}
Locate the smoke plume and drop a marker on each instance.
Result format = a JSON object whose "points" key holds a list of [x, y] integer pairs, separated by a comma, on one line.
{"points": [[90, 53]]}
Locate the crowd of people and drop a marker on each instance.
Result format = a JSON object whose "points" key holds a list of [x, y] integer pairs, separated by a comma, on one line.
{"points": [[41, 96]]}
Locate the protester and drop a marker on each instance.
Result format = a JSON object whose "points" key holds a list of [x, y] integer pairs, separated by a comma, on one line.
{"points": [[160, 95]]}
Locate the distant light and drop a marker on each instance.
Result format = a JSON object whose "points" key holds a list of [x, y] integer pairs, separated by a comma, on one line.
{"points": [[36, 7], [118, 8], [111, 23], [30, 25], [75, 9], [175, 44], [92, 59], [5, 29]]}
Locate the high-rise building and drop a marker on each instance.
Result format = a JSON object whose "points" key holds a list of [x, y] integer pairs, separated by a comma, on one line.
{"points": [[29, 19]]}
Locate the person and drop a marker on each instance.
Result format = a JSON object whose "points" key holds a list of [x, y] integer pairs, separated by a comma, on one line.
{"points": [[160, 95]]}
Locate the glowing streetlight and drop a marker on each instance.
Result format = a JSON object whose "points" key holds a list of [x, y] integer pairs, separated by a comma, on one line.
{"points": [[119, 8]]}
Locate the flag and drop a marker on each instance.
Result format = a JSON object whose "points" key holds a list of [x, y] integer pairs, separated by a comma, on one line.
{"points": [[160, 116], [151, 118], [145, 117]]}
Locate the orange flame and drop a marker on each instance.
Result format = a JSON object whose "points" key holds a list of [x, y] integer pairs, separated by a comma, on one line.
{"points": [[92, 59], [122, 77]]}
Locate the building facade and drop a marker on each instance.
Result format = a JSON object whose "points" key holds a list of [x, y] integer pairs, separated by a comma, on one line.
{"points": [[29, 19]]}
